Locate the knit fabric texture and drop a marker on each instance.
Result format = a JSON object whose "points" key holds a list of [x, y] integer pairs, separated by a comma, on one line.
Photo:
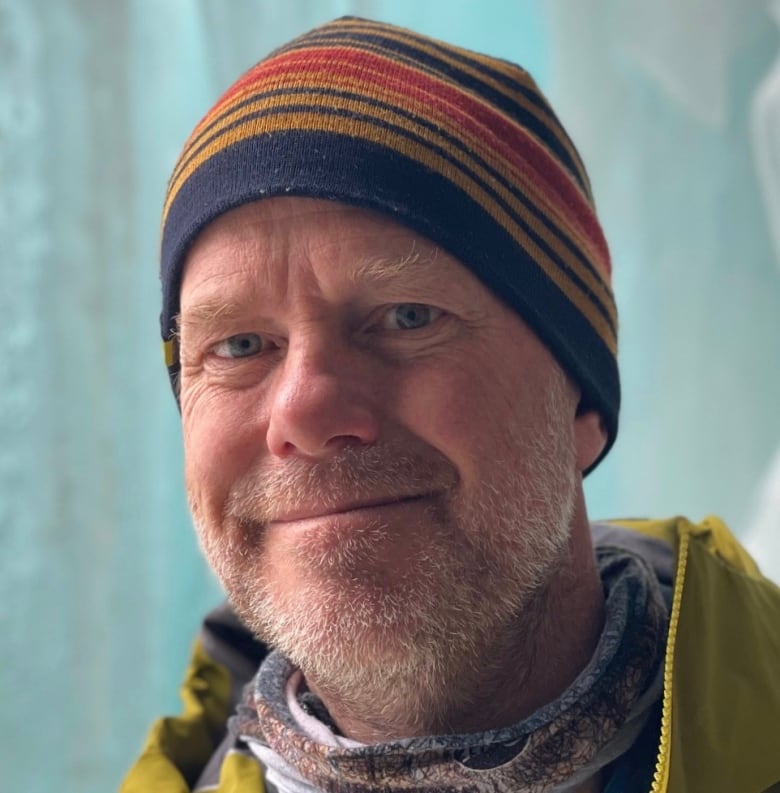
{"points": [[458, 146]]}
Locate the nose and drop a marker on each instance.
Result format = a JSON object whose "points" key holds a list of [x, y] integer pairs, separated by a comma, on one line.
{"points": [[321, 400]]}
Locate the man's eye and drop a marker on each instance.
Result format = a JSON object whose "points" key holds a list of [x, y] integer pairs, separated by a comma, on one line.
{"points": [[241, 345], [410, 316]]}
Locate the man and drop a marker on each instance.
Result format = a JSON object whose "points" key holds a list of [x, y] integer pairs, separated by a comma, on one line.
{"points": [[389, 324]]}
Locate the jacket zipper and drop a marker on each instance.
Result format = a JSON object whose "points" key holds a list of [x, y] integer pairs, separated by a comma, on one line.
{"points": [[661, 775]]}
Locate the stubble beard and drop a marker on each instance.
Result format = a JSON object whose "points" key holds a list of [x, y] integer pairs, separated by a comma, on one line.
{"points": [[407, 641]]}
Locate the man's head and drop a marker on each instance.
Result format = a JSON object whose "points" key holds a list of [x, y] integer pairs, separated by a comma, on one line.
{"points": [[458, 146], [395, 356]]}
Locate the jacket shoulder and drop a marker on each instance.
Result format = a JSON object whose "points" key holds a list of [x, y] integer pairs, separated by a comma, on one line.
{"points": [[721, 723], [194, 749], [711, 534]]}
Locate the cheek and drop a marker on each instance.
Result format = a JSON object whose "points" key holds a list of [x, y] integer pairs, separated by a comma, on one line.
{"points": [[221, 440], [480, 410], [454, 409]]}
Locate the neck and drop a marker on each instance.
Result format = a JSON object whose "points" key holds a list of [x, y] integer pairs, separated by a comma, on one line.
{"points": [[530, 662]]}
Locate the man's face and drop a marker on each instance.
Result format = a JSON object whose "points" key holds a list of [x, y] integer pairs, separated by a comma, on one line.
{"points": [[379, 454]]}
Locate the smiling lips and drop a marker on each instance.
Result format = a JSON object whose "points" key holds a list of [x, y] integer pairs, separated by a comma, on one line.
{"points": [[339, 508]]}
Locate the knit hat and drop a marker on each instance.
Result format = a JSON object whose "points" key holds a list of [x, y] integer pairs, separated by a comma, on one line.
{"points": [[458, 146]]}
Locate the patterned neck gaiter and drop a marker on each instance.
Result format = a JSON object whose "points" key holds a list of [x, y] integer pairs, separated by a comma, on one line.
{"points": [[555, 749]]}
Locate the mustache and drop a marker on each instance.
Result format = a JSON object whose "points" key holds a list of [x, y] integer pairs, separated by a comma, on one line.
{"points": [[383, 471]]}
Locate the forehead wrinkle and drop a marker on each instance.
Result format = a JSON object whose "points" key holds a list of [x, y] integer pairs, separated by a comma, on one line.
{"points": [[222, 296]]}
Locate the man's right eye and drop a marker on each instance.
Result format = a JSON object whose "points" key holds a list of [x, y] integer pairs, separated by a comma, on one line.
{"points": [[242, 345]]}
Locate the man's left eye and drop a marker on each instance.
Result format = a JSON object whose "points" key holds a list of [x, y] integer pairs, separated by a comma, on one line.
{"points": [[410, 316]]}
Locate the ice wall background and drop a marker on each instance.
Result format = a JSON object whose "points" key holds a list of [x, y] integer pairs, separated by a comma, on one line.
{"points": [[675, 107]]}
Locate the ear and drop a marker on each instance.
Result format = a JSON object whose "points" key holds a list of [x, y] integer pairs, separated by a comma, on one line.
{"points": [[590, 438]]}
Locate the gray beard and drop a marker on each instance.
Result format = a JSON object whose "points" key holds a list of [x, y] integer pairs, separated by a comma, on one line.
{"points": [[389, 639]]}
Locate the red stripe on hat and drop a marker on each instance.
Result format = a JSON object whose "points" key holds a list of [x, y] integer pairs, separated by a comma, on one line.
{"points": [[465, 110]]}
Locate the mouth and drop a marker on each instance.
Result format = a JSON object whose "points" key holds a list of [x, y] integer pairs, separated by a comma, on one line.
{"points": [[344, 508]]}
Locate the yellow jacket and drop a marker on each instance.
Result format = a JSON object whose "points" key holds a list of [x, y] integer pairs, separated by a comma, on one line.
{"points": [[720, 728]]}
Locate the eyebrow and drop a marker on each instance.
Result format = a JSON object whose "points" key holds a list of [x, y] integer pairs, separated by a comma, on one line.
{"points": [[211, 309], [375, 269], [379, 269], [206, 312]]}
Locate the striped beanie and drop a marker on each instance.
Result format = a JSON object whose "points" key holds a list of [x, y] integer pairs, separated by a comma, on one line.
{"points": [[458, 146]]}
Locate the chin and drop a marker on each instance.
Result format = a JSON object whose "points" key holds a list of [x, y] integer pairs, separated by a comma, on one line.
{"points": [[350, 627]]}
